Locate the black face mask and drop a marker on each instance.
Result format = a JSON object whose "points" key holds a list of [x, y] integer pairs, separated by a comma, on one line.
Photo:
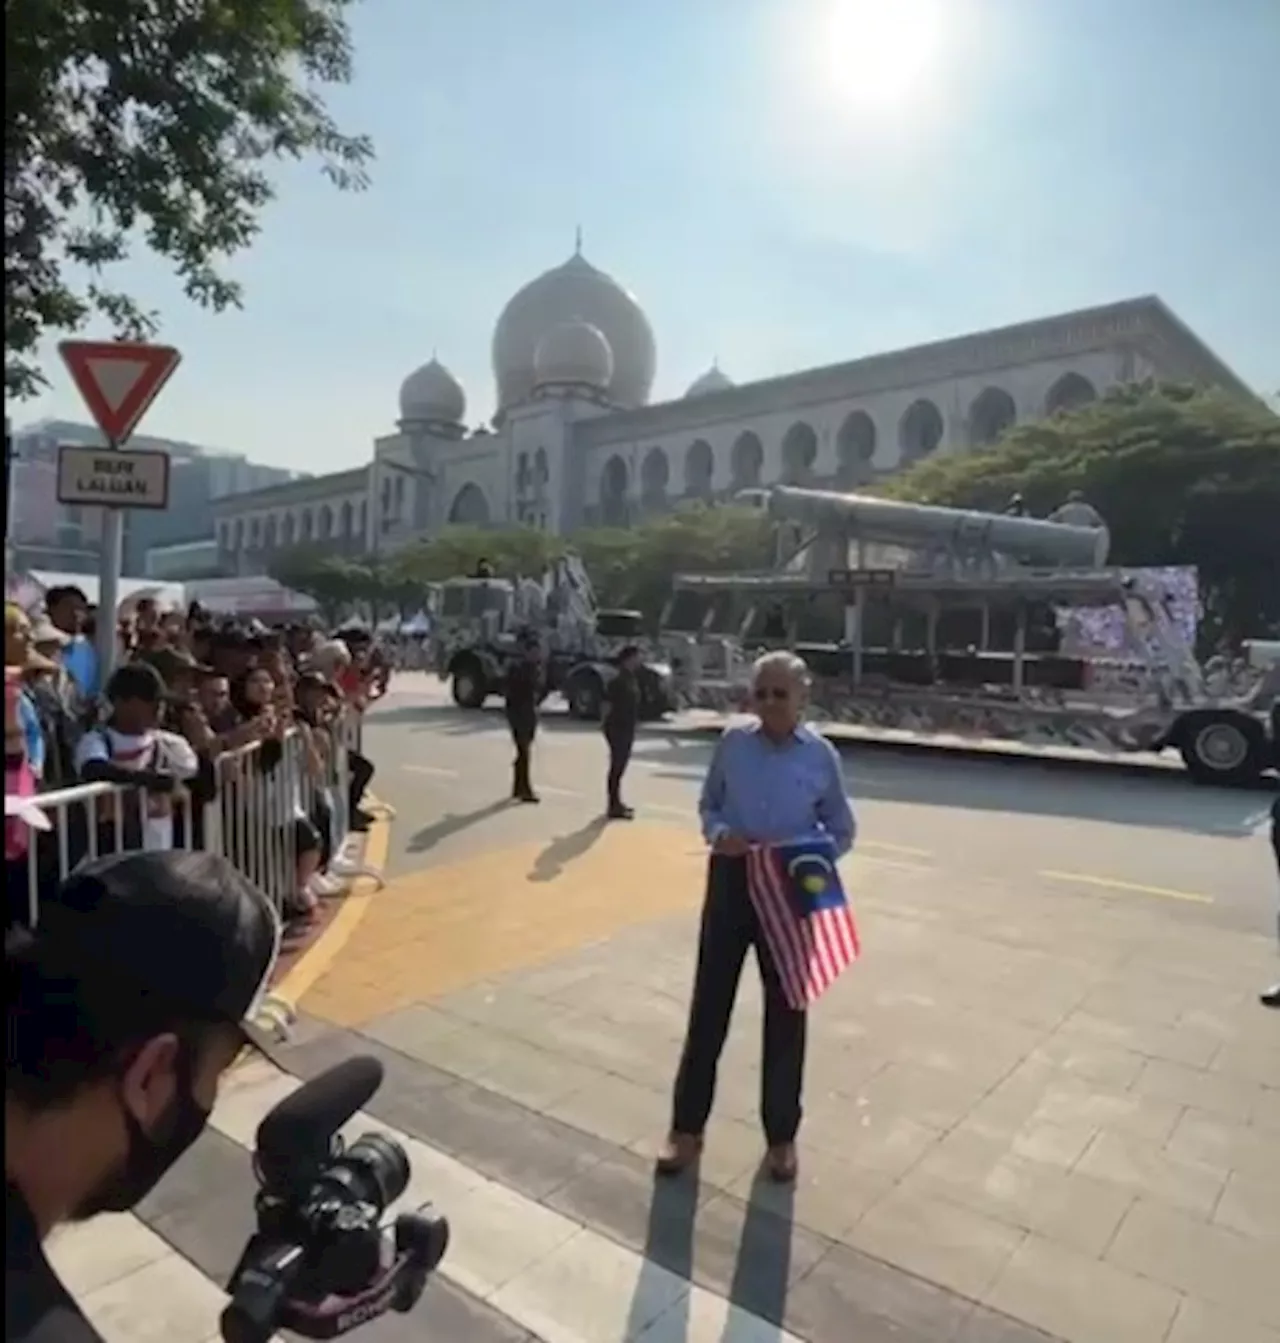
{"points": [[150, 1155]]}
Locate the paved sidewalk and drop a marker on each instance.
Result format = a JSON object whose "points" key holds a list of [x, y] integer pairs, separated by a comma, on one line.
{"points": [[1063, 1106], [1030, 1111]]}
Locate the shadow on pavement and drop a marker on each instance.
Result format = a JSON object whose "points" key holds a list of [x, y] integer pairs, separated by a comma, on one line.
{"points": [[565, 848], [762, 1267], [668, 1244], [451, 823]]}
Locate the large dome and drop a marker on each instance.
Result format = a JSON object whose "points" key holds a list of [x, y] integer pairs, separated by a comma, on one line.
{"points": [[574, 292], [573, 352], [432, 393]]}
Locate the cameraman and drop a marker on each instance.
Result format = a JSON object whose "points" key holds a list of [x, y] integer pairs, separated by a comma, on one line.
{"points": [[124, 1008]]}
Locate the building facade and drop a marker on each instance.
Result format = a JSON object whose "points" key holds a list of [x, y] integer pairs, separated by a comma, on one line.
{"points": [[576, 443]]}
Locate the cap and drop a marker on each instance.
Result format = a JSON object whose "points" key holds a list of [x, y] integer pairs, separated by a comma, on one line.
{"points": [[187, 927], [167, 660]]}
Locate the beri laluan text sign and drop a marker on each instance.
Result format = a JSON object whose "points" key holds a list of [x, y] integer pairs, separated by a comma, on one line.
{"points": [[113, 478]]}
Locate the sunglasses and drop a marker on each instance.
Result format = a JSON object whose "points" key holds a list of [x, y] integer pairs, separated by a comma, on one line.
{"points": [[771, 692]]}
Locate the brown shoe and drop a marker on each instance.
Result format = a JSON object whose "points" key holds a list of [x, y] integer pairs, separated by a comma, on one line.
{"points": [[678, 1153], [781, 1163]]}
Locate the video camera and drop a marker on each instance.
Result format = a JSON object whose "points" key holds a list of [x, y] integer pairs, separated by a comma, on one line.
{"points": [[320, 1262]]}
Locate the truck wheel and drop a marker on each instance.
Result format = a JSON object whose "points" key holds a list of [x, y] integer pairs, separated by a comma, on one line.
{"points": [[469, 689], [586, 698], [1223, 748]]}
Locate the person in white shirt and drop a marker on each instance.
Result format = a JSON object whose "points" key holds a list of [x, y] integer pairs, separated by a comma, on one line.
{"points": [[130, 749]]}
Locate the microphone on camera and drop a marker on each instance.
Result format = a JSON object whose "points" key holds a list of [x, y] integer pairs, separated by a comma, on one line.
{"points": [[296, 1136]]}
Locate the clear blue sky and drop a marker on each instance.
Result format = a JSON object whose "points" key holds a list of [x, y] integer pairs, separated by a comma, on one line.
{"points": [[783, 183]]}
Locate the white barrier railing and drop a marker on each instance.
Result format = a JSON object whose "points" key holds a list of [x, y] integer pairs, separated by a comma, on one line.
{"points": [[263, 792]]}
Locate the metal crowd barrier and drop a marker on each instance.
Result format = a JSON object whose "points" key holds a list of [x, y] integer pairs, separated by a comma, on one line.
{"points": [[252, 818]]}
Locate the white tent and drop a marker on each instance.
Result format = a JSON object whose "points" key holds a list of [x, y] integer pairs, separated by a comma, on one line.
{"points": [[28, 589]]}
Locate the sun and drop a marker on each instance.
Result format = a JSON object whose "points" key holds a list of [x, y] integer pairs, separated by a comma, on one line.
{"points": [[881, 58]]}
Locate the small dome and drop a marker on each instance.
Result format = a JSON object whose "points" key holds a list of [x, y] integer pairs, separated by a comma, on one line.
{"points": [[432, 393], [711, 381], [573, 352]]}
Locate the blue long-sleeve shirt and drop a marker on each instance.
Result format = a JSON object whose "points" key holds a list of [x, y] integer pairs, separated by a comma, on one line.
{"points": [[80, 658], [771, 792]]}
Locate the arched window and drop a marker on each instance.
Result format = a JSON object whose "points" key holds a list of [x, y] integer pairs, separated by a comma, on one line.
{"points": [[1070, 392], [799, 452], [655, 472], [747, 461], [614, 483], [470, 507], [855, 449], [991, 415], [919, 431], [699, 469]]}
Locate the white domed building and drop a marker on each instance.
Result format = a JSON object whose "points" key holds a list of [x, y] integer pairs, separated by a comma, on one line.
{"points": [[577, 440]]}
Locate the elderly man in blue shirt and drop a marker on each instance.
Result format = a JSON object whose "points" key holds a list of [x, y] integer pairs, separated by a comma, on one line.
{"points": [[771, 780]]}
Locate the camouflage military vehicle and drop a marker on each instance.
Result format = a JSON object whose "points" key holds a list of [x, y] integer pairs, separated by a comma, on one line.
{"points": [[477, 623], [960, 625]]}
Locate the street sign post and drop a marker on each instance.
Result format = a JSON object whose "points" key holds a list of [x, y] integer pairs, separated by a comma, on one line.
{"points": [[118, 381]]}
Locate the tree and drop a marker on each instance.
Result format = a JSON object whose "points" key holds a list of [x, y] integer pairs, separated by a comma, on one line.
{"points": [[629, 567], [1181, 476], [127, 121], [333, 583]]}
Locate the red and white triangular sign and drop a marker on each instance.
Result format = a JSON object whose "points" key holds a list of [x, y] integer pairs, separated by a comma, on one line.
{"points": [[118, 380]]}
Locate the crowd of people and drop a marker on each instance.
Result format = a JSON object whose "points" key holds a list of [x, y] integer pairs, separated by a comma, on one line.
{"points": [[192, 699]]}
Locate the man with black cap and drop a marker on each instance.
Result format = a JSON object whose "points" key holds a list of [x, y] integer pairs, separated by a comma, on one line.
{"points": [[124, 1007]]}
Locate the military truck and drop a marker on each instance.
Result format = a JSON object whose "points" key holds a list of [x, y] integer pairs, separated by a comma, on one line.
{"points": [[955, 624], [478, 623]]}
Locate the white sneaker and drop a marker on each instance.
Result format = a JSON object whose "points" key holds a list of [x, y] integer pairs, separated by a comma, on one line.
{"points": [[323, 884]]}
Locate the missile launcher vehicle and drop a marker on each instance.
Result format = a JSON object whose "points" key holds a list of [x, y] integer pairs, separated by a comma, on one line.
{"points": [[959, 625]]}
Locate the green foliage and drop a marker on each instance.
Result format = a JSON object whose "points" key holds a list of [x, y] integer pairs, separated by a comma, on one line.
{"points": [[630, 567], [131, 120], [512, 551], [1182, 477], [633, 568]]}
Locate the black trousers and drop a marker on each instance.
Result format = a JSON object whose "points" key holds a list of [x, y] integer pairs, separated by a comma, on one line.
{"points": [[523, 731], [729, 927], [361, 768], [620, 740]]}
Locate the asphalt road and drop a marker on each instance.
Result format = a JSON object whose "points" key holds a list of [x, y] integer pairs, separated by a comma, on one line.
{"points": [[1148, 836]]}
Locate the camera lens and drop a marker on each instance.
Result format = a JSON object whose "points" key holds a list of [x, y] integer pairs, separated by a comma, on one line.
{"points": [[379, 1167]]}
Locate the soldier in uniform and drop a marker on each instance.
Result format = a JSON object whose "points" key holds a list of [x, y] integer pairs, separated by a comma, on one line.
{"points": [[1271, 996], [621, 717], [526, 689]]}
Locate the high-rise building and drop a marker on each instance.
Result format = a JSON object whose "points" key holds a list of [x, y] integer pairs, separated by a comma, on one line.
{"points": [[45, 534]]}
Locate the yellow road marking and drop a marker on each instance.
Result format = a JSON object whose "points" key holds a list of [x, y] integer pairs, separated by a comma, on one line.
{"points": [[1138, 888], [319, 958]]}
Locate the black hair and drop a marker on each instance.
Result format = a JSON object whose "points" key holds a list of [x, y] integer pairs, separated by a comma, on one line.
{"points": [[629, 651], [69, 1025], [65, 592], [135, 680]]}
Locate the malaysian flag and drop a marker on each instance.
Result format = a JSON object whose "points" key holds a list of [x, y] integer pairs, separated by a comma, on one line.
{"points": [[805, 915]]}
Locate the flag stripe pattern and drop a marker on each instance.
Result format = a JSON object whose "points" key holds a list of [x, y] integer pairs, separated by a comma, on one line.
{"points": [[812, 941]]}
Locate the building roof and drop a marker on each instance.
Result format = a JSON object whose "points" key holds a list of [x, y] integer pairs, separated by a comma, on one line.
{"points": [[311, 489], [1141, 321]]}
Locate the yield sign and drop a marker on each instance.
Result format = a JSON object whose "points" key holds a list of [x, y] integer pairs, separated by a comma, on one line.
{"points": [[118, 380]]}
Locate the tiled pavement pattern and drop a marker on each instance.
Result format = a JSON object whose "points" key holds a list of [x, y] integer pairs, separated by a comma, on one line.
{"points": [[1025, 1111]]}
